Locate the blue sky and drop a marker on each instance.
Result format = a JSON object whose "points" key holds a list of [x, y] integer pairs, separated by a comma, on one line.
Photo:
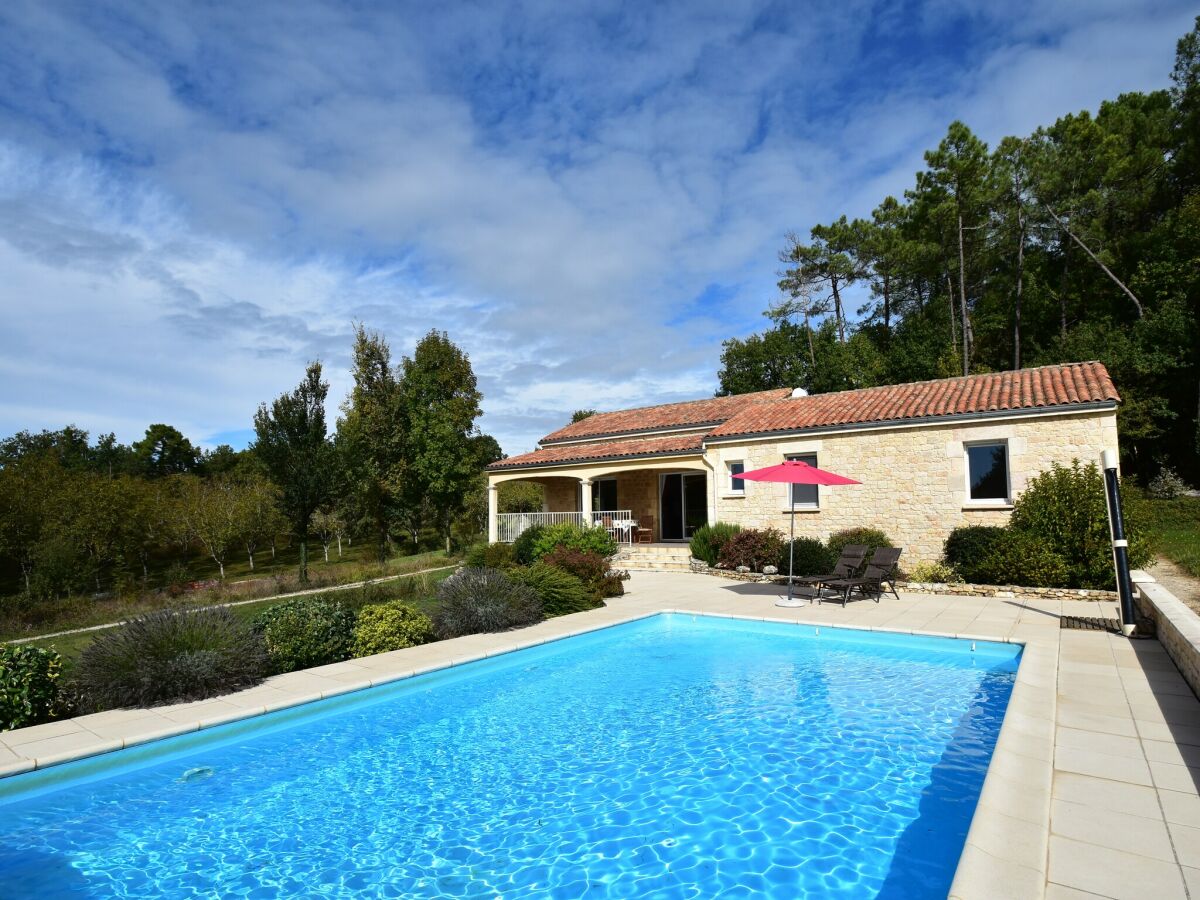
{"points": [[195, 199]]}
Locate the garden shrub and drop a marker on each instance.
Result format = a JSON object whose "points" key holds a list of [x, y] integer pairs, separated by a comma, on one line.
{"points": [[29, 685], [522, 547], [305, 632], [560, 591], [808, 555], [170, 655], [708, 540], [594, 570], [1166, 485], [473, 601], [933, 573], [565, 534], [752, 547], [490, 556], [1064, 507], [873, 538], [965, 548], [382, 627], [1019, 558]]}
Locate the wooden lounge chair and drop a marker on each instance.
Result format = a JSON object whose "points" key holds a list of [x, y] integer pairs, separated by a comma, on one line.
{"points": [[847, 566], [879, 571]]}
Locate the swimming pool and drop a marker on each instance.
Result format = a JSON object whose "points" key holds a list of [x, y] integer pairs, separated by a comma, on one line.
{"points": [[675, 756]]}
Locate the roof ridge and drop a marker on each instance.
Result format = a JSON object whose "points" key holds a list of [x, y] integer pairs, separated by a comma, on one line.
{"points": [[630, 409], [947, 380]]}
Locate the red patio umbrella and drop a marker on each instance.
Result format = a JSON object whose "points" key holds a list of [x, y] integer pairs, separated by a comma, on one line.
{"points": [[793, 471]]}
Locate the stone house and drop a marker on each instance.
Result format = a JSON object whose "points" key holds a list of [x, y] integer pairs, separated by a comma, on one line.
{"points": [[931, 456]]}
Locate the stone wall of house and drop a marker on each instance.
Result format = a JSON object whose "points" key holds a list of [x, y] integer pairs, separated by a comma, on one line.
{"points": [[914, 479], [638, 491], [560, 494]]}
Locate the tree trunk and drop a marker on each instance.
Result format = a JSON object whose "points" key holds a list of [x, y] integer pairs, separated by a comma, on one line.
{"points": [[325, 544], [953, 314], [1062, 294], [1020, 285], [1107, 271], [812, 352], [837, 310], [304, 560], [339, 540], [221, 569], [250, 553], [962, 298], [887, 307]]}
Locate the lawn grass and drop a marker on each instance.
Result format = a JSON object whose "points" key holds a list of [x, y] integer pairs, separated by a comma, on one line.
{"points": [[24, 620], [417, 590], [1174, 529]]}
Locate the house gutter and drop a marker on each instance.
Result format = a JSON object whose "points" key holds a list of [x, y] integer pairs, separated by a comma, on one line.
{"points": [[597, 460]]}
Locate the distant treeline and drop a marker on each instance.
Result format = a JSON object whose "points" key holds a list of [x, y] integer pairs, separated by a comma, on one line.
{"points": [[404, 460]]}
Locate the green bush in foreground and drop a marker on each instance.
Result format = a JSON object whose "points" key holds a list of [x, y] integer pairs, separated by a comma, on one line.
{"points": [[594, 570], [752, 547], [808, 557], [560, 591], [1065, 509], [873, 538], [523, 546], [966, 547], [593, 540], [305, 632], [29, 688], [933, 573], [1018, 558], [383, 627], [473, 601], [170, 655], [707, 540]]}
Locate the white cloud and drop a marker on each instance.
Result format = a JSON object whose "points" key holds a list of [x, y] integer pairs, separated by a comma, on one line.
{"points": [[193, 203]]}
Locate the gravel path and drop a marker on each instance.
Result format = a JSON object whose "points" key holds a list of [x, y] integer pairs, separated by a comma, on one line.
{"points": [[1177, 581]]}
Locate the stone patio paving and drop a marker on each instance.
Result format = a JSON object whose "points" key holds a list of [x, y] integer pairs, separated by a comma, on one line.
{"points": [[1092, 790]]}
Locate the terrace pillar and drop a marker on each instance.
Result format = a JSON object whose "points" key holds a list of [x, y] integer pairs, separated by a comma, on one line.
{"points": [[585, 500], [493, 513]]}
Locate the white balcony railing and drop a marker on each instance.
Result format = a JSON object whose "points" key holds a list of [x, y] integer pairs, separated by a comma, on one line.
{"points": [[620, 523]]}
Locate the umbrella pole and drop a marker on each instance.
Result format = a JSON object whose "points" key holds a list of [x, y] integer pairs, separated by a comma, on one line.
{"points": [[791, 547]]}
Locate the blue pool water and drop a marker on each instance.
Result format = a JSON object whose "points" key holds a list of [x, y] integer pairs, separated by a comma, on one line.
{"points": [[677, 756]]}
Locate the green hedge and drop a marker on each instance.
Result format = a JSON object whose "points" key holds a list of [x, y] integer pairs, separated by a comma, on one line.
{"points": [[29, 685], [560, 591], [306, 632], [490, 556], [808, 556], [708, 540], [1065, 509], [873, 538], [383, 627], [590, 540]]}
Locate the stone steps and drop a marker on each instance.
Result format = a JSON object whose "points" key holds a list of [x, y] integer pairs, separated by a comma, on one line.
{"points": [[650, 558]]}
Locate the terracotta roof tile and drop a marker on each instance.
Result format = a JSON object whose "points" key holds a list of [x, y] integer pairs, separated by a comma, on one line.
{"points": [[710, 411], [1060, 385], [562, 453]]}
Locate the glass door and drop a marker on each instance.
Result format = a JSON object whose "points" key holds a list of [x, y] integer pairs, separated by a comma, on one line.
{"points": [[682, 505]]}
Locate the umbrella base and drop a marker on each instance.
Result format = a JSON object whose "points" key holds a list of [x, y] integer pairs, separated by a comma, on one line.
{"points": [[792, 603]]}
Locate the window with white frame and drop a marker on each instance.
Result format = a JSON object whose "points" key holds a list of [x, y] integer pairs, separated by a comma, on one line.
{"points": [[736, 484], [804, 496], [987, 472]]}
